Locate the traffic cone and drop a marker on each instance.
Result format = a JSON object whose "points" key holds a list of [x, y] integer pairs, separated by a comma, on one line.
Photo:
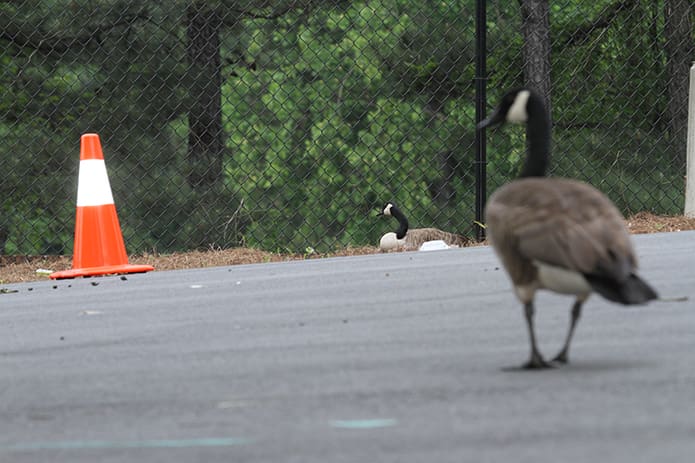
{"points": [[99, 247]]}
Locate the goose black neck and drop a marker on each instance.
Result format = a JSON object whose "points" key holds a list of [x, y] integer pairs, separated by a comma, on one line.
{"points": [[537, 139], [402, 222]]}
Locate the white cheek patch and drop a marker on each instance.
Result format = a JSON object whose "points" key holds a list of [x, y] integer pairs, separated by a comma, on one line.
{"points": [[517, 111], [387, 209]]}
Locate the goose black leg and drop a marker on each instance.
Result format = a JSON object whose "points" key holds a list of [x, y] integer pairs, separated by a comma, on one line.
{"points": [[576, 313], [536, 361]]}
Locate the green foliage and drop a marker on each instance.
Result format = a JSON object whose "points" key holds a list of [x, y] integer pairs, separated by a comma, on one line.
{"points": [[329, 110], [324, 139]]}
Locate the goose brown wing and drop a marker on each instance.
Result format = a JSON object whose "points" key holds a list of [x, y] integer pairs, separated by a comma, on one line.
{"points": [[564, 223], [420, 235]]}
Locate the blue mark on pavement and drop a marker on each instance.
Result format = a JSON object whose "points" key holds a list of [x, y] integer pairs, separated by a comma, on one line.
{"points": [[364, 424], [143, 444]]}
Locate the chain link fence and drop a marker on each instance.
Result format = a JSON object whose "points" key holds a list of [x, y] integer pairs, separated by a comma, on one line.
{"points": [[285, 125]]}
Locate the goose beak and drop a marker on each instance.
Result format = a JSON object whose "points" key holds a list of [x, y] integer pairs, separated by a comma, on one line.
{"points": [[379, 213], [493, 120]]}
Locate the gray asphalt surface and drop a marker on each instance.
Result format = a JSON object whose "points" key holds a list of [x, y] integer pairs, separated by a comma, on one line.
{"points": [[385, 358]]}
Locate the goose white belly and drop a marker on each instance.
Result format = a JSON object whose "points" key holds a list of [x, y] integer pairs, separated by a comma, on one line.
{"points": [[561, 280], [389, 242]]}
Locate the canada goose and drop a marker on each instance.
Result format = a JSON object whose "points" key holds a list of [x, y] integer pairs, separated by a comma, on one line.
{"points": [[557, 234], [410, 240]]}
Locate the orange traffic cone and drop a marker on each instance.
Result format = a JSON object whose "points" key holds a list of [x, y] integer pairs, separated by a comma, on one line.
{"points": [[99, 247]]}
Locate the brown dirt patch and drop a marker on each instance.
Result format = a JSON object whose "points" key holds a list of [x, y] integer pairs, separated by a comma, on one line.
{"points": [[646, 222], [14, 269]]}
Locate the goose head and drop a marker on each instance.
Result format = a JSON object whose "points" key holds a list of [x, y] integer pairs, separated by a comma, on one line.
{"points": [[524, 105], [516, 106], [390, 210], [386, 210]]}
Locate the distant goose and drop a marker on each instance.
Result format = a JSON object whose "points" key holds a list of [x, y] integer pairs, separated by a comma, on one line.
{"points": [[557, 234], [411, 240]]}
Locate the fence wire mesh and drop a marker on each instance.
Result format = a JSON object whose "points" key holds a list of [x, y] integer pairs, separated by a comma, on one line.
{"points": [[285, 125]]}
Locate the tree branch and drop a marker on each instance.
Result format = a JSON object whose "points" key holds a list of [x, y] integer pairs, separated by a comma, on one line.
{"points": [[51, 43], [582, 33], [274, 15]]}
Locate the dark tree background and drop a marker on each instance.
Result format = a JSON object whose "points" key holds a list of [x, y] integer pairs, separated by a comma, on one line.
{"points": [[283, 124]]}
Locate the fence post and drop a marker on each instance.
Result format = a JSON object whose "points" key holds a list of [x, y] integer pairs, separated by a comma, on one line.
{"points": [[480, 103], [690, 149]]}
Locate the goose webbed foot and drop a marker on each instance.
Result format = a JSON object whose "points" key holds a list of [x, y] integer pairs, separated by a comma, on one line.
{"points": [[537, 362], [561, 357]]}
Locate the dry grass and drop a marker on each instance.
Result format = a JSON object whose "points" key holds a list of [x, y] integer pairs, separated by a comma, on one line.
{"points": [[645, 222], [15, 269]]}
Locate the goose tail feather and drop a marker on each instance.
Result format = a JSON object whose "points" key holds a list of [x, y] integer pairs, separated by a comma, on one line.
{"points": [[633, 290]]}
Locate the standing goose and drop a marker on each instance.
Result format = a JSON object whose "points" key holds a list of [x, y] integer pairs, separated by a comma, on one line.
{"points": [[557, 234], [411, 240]]}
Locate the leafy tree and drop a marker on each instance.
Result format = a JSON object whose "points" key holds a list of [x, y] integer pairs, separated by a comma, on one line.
{"points": [[284, 124]]}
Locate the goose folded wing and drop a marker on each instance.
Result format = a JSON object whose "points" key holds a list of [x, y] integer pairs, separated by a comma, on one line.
{"points": [[594, 244]]}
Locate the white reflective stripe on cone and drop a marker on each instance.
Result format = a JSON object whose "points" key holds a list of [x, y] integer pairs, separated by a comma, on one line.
{"points": [[93, 188]]}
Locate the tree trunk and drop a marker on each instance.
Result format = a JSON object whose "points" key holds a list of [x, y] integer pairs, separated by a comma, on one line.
{"points": [[205, 136], [535, 25], [4, 236], [442, 189], [678, 27]]}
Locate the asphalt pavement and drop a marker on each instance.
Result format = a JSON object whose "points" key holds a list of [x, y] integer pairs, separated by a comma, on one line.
{"points": [[402, 357]]}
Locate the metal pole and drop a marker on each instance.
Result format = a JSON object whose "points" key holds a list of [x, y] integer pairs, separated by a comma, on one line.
{"points": [[480, 107], [690, 150]]}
